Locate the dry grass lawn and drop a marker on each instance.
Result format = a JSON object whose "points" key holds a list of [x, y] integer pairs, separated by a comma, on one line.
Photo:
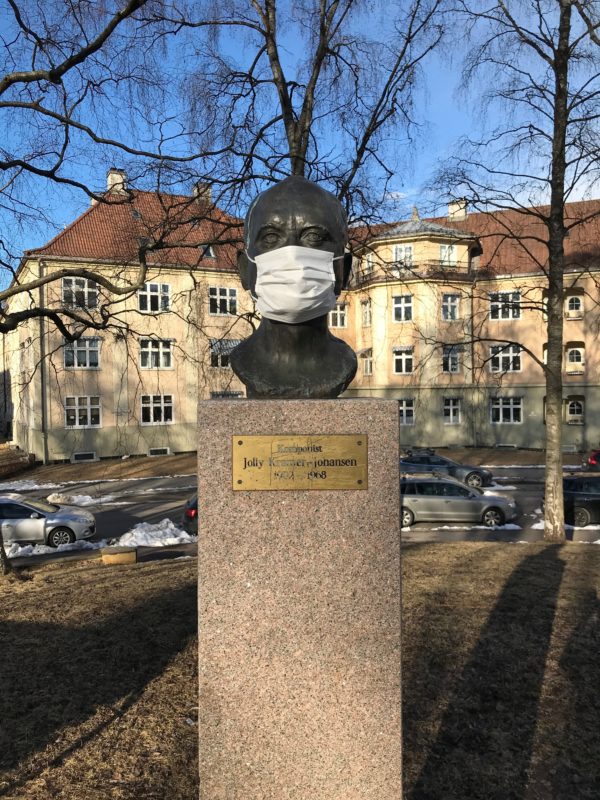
{"points": [[501, 677]]}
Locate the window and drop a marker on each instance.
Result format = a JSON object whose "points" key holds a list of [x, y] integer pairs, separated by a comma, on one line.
{"points": [[448, 255], [337, 317], [79, 293], [222, 300], [574, 307], [575, 358], [450, 307], [155, 354], [220, 350], [157, 409], [366, 313], [208, 251], [403, 255], [226, 395], [451, 358], [154, 297], [403, 310], [574, 411], [366, 358], [369, 263], [451, 410], [505, 305], [83, 353], [82, 412], [505, 358], [506, 410], [407, 411], [403, 360]]}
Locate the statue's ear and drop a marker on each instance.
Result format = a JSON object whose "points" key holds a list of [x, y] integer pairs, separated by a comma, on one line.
{"points": [[243, 266]]}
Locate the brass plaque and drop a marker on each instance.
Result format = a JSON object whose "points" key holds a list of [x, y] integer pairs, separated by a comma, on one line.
{"points": [[275, 463]]}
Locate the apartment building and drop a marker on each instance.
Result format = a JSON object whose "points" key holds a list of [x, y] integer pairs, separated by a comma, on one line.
{"points": [[446, 316], [131, 388]]}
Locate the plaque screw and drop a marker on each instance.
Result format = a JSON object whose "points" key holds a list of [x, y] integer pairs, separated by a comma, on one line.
{"points": [[359, 442], [359, 482], [240, 441], [239, 481]]}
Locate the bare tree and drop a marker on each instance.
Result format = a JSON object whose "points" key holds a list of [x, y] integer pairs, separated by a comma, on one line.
{"points": [[539, 62]]}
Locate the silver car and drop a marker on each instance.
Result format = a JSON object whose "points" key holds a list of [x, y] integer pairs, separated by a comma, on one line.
{"points": [[27, 519], [446, 500]]}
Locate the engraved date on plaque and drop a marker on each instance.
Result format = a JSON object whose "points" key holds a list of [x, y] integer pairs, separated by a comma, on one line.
{"points": [[299, 462]]}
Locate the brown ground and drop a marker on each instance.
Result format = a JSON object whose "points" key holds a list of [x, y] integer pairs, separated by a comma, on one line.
{"points": [[501, 676], [185, 464]]}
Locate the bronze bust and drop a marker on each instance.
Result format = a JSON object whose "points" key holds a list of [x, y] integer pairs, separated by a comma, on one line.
{"points": [[294, 265]]}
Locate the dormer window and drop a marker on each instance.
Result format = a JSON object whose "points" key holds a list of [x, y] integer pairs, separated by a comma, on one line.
{"points": [[208, 251]]}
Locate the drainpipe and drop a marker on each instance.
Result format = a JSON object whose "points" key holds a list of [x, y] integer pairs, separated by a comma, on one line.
{"points": [[43, 379]]}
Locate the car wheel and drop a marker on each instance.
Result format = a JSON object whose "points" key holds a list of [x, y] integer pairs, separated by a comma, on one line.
{"points": [[474, 480], [60, 536], [581, 517], [407, 517], [493, 517]]}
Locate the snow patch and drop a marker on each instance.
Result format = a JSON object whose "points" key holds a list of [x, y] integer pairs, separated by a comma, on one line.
{"points": [[26, 486], [79, 499], [160, 534]]}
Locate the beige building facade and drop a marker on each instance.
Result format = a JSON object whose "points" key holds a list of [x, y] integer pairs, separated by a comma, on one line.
{"points": [[446, 317]]}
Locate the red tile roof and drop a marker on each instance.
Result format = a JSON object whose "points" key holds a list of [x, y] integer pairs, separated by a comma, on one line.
{"points": [[513, 241], [114, 230]]}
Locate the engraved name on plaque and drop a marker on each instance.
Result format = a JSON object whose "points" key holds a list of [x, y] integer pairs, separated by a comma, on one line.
{"points": [[276, 463]]}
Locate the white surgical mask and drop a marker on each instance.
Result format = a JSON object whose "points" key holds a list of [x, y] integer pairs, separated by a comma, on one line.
{"points": [[294, 284]]}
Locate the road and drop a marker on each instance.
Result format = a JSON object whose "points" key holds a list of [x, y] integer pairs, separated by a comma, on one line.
{"points": [[154, 499]]}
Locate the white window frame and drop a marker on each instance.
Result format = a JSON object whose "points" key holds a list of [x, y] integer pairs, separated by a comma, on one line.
{"points": [[83, 405], [575, 416], [222, 301], [366, 313], [406, 408], [154, 298], [571, 312], [157, 402], [451, 358], [369, 264], [402, 308], [574, 359], [452, 410], [220, 351], [505, 305], [79, 292], [507, 410], [404, 357], [338, 317], [450, 307], [403, 256], [156, 353], [448, 255], [366, 359], [84, 347], [505, 358]]}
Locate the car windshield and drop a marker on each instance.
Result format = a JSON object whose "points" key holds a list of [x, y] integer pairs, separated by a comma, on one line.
{"points": [[41, 505]]}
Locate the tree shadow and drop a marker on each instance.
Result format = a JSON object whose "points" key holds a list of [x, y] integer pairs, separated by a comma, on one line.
{"points": [[484, 744], [55, 676]]}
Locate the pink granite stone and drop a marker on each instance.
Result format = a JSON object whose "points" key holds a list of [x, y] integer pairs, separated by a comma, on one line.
{"points": [[299, 614]]}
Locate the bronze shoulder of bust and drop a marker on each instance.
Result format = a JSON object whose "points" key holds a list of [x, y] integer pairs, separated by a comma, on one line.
{"points": [[294, 265]]}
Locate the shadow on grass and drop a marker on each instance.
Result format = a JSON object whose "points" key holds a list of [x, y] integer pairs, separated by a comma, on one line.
{"points": [[484, 745], [55, 676]]}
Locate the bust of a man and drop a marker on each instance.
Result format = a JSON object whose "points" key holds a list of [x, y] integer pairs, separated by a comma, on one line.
{"points": [[295, 265]]}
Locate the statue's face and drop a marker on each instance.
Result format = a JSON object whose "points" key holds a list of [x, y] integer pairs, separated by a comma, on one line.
{"points": [[295, 212]]}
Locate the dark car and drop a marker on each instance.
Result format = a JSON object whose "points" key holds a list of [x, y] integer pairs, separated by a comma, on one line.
{"points": [[447, 500], [428, 461], [189, 520], [592, 462], [582, 500]]}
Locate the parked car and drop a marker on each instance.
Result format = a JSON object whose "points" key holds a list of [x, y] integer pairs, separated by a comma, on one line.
{"points": [[29, 520], [592, 462], [446, 500], [189, 520], [428, 461], [582, 499]]}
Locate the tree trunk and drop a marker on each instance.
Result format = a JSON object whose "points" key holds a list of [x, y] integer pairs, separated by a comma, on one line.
{"points": [[5, 565]]}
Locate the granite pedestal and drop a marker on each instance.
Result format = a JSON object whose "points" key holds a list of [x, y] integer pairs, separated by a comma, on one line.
{"points": [[299, 614]]}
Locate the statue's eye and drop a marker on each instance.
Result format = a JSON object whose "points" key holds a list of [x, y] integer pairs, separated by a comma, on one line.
{"points": [[314, 236], [270, 238]]}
